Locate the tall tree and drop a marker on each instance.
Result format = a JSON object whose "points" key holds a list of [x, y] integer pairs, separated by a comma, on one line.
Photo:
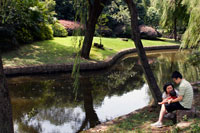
{"points": [[94, 12], [95, 9], [155, 91], [6, 122], [173, 15]]}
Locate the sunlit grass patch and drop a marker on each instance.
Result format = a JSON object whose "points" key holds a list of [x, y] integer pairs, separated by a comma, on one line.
{"points": [[63, 50]]}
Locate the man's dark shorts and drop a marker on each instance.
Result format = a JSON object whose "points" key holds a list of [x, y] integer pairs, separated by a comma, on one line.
{"points": [[174, 106]]}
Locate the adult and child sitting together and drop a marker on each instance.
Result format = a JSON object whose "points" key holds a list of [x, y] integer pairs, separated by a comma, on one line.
{"points": [[173, 99]]}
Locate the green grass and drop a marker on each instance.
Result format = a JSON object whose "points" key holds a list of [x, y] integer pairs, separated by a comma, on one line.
{"points": [[140, 123], [62, 50]]}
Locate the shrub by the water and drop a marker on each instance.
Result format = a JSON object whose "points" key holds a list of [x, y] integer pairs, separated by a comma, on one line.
{"points": [[59, 30]]}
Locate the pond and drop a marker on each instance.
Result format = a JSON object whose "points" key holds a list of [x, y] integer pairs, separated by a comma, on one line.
{"points": [[49, 104]]}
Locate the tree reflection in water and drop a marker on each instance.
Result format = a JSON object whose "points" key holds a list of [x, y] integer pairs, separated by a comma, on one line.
{"points": [[90, 114]]}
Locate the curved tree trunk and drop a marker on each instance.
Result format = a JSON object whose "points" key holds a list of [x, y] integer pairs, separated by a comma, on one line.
{"points": [[95, 10], [155, 91], [6, 122]]}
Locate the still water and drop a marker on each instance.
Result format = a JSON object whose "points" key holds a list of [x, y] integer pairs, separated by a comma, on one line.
{"points": [[47, 104]]}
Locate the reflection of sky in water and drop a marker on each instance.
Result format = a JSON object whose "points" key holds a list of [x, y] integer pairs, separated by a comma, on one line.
{"points": [[111, 108], [15, 127], [120, 105], [66, 127]]}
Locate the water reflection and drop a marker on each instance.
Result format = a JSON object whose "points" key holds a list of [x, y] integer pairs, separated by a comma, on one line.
{"points": [[113, 106], [91, 116], [45, 104]]}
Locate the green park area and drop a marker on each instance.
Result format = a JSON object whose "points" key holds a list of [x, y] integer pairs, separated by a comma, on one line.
{"points": [[63, 50], [40, 40]]}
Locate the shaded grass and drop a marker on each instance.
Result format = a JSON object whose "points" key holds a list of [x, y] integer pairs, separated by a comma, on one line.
{"points": [[140, 122], [46, 52], [62, 50]]}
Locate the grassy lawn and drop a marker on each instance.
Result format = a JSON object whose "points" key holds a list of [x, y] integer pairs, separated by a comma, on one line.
{"points": [[140, 123], [62, 50]]}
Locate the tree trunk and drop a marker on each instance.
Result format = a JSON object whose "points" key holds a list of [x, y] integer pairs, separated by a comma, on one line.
{"points": [[6, 122], [155, 91], [95, 10]]}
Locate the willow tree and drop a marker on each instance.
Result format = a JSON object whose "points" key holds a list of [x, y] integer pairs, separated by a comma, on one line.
{"points": [[174, 14], [94, 11], [191, 37]]}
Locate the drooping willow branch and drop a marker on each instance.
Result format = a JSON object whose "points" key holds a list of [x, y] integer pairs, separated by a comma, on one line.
{"points": [[81, 8]]}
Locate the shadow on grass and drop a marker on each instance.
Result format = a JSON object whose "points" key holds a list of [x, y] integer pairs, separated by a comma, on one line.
{"points": [[46, 52], [100, 54], [168, 40], [135, 121], [140, 122]]}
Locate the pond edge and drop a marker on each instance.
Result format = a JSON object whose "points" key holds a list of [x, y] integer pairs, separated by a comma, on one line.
{"points": [[56, 68]]}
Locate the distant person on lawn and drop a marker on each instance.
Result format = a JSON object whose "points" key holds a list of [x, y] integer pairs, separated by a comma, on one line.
{"points": [[182, 102]]}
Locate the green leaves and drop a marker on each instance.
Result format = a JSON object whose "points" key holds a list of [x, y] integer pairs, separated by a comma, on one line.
{"points": [[28, 18], [153, 17], [5, 10], [191, 37]]}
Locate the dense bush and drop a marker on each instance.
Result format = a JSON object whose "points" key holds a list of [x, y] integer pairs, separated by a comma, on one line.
{"points": [[123, 31], [153, 17], [30, 19], [45, 32], [7, 39], [147, 32], [59, 30], [70, 26], [24, 35], [103, 31]]}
